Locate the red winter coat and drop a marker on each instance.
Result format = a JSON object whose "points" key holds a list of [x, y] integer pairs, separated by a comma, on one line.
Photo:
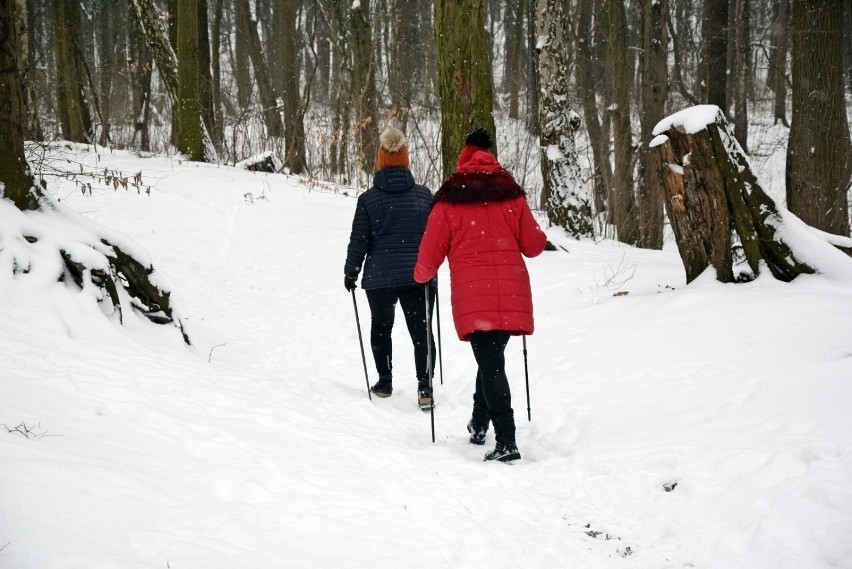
{"points": [[480, 220]]}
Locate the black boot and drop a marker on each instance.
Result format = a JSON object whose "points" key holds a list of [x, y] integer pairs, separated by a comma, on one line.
{"points": [[383, 387], [504, 430], [424, 394], [478, 425]]}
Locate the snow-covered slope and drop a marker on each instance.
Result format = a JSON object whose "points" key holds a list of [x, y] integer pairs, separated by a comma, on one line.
{"points": [[258, 447]]}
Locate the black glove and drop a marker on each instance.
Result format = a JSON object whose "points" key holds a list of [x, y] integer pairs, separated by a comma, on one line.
{"points": [[349, 283]]}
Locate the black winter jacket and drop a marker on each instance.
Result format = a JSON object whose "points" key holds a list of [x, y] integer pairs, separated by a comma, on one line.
{"points": [[389, 222]]}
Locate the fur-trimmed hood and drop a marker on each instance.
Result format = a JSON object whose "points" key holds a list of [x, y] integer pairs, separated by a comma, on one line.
{"points": [[478, 179]]}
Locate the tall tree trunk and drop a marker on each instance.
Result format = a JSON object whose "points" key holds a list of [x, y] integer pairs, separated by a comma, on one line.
{"points": [[166, 60], [365, 101], [140, 83], [586, 85], [242, 68], [654, 16], [27, 72], [512, 55], [205, 81], [621, 200], [71, 101], [715, 32], [16, 183], [780, 60], [403, 72], [464, 75], [532, 85], [218, 132], [743, 70], [105, 41], [322, 78], [341, 89], [268, 97], [819, 152], [189, 109], [286, 32], [563, 197]]}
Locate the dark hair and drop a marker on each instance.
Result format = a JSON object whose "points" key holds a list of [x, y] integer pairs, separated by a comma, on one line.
{"points": [[478, 137]]}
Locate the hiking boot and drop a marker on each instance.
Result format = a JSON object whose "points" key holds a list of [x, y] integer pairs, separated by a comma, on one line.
{"points": [[424, 395], [504, 431], [504, 453], [478, 425], [383, 387]]}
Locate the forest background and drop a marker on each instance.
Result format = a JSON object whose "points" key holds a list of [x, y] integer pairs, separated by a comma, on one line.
{"points": [[573, 89]]}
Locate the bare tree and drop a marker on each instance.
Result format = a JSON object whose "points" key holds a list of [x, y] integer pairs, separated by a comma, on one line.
{"points": [[365, 98], [654, 92], [286, 51], [563, 196], [621, 199], [71, 86], [715, 32], [464, 74], [268, 97], [819, 152]]}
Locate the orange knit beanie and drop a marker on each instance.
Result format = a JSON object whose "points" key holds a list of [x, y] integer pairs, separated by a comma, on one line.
{"points": [[393, 153]]}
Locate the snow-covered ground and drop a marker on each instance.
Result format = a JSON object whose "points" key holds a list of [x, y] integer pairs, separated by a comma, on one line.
{"points": [[704, 426]]}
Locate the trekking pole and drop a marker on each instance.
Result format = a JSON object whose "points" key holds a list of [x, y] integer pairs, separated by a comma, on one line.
{"points": [[527, 377], [440, 355], [429, 371], [361, 341]]}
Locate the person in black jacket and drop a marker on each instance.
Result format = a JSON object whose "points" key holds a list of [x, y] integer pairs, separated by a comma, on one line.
{"points": [[389, 222]]}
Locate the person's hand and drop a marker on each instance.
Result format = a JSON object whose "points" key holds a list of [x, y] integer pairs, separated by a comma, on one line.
{"points": [[349, 283]]}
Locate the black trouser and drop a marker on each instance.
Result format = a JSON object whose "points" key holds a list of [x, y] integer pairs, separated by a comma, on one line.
{"points": [[383, 309], [492, 386]]}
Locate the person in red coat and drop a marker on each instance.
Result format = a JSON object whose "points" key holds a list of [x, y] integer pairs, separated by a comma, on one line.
{"points": [[481, 222]]}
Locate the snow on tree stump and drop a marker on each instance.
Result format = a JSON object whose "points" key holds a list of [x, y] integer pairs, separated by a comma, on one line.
{"points": [[719, 214]]}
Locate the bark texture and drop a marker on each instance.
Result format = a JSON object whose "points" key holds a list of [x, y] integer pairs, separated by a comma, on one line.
{"points": [[819, 152], [720, 215], [464, 75], [564, 197]]}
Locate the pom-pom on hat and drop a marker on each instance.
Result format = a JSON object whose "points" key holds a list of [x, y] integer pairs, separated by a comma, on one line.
{"points": [[476, 140], [478, 137], [393, 153]]}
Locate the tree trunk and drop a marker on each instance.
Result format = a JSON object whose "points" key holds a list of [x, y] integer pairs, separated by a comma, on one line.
{"points": [[218, 132], [139, 71], [715, 32], [512, 52], [819, 152], [365, 101], [532, 69], [287, 53], [189, 109], [71, 104], [711, 191], [16, 183], [586, 85], [164, 56], [268, 97], [403, 72], [621, 200], [654, 15], [242, 67], [743, 70], [780, 62], [563, 197], [464, 75], [105, 43]]}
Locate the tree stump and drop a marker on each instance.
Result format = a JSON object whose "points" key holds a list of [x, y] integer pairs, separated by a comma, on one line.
{"points": [[720, 215]]}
